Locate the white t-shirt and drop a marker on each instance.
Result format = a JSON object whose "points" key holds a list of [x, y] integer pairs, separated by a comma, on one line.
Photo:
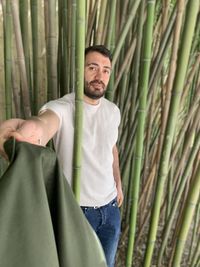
{"points": [[100, 133]]}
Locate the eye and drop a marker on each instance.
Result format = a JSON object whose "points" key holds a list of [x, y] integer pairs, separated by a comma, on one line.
{"points": [[107, 71], [92, 68]]}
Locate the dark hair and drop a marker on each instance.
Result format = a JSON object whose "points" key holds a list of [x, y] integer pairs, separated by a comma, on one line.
{"points": [[100, 49]]}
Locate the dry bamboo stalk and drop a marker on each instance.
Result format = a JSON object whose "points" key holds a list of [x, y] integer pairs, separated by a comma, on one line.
{"points": [[21, 59]]}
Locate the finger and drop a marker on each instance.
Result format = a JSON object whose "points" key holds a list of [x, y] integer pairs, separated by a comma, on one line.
{"points": [[119, 201], [17, 136]]}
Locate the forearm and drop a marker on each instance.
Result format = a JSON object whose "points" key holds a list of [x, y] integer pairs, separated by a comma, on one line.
{"points": [[116, 169], [117, 176]]}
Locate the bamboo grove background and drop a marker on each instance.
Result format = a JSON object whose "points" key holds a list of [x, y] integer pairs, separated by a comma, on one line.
{"points": [[156, 84]]}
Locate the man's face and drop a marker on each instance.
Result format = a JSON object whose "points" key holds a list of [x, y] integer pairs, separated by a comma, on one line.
{"points": [[97, 74]]}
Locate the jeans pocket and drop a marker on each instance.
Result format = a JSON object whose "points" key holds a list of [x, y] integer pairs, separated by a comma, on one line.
{"points": [[114, 203]]}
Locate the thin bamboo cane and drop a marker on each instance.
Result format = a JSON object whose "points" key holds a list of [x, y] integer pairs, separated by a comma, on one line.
{"points": [[35, 35], [123, 14], [112, 14], [193, 258], [65, 88], [51, 47], [78, 124], [126, 28], [91, 20], [60, 46], [73, 46], [171, 73], [8, 59], [194, 238], [145, 67], [136, 65], [178, 197], [187, 218], [109, 91], [21, 60], [16, 93], [23, 14], [100, 29]]}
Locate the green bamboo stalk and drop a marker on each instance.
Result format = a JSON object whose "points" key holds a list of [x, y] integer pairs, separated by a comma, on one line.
{"points": [[8, 59], [21, 59], [192, 198], [164, 43], [125, 67], [73, 46], [113, 4], [124, 33], [60, 47], [101, 22], [23, 12], [123, 6], [194, 234], [65, 59], [179, 192], [35, 47], [143, 89], [193, 258], [78, 127], [91, 19], [109, 91], [171, 73], [51, 39], [137, 59], [183, 59]]}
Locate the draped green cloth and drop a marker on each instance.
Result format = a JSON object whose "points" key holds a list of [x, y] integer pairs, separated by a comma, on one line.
{"points": [[41, 224]]}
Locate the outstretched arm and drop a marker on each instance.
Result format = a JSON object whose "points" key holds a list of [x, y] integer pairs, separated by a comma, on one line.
{"points": [[36, 130], [117, 176]]}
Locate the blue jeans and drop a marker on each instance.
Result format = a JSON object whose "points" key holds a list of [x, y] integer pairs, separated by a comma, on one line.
{"points": [[106, 223]]}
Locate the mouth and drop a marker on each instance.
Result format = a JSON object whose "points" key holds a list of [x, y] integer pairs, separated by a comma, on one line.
{"points": [[97, 85]]}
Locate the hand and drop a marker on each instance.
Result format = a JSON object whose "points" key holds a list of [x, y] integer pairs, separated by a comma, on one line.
{"points": [[21, 130], [27, 132], [4, 135], [120, 196]]}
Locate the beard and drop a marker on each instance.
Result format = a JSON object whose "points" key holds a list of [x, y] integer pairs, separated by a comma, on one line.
{"points": [[92, 89]]}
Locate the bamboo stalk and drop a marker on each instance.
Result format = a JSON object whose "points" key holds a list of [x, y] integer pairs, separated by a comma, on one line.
{"points": [[21, 60], [100, 29], [51, 47], [195, 238], [112, 14], [35, 35], [78, 125], [91, 20], [171, 73], [73, 46], [126, 28], [8, 59], [187, 218], [23, 14], [178, 197], [143, 89]]}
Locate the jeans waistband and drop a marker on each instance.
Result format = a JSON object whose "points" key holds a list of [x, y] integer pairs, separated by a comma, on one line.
{"points": [[111, 203]]}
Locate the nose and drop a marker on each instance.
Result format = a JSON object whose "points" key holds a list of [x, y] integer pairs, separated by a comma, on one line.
{"points": [[98, 75]]}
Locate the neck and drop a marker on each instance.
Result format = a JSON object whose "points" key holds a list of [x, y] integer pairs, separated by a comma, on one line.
{"points": [[90, 101]]}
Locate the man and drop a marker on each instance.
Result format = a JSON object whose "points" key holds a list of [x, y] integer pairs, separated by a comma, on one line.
{"points": [[101, 191]]}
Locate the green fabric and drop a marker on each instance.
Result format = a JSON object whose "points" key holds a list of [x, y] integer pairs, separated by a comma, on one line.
{"points": [[41, 224]]}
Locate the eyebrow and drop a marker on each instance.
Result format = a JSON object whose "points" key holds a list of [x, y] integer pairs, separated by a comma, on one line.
{"points": [[95, 64]]}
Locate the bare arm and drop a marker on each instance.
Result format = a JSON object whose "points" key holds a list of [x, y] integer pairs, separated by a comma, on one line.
{"points": [[36, 130], [117, 176]]}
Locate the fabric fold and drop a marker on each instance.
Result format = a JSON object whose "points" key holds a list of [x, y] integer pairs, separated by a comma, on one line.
{"points": [[41, 224]]}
